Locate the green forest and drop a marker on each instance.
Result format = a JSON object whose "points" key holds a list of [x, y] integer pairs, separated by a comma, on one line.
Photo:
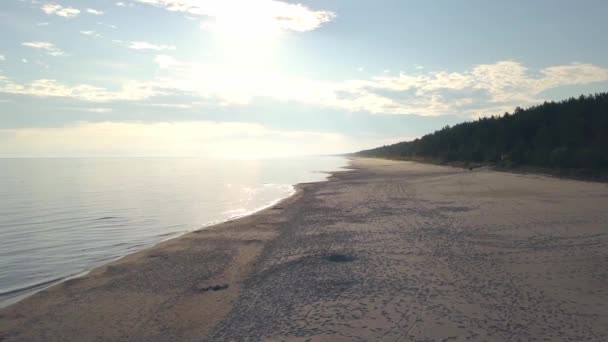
{"points": [[567, 135]]}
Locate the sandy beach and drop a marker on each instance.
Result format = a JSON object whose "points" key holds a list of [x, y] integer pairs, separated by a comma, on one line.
{"points": [[390, 251]]}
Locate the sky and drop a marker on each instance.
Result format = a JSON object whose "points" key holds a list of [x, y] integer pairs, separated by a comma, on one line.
{"points": [[82, 78]]}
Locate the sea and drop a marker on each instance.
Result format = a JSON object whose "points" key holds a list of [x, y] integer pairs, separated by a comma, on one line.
{"points": [[60, 218]]}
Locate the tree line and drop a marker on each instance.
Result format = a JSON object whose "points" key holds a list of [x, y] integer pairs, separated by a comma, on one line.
{"points": [[570, 134]]}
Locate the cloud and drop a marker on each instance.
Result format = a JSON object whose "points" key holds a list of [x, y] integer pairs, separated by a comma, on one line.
{"points": [[576, 74], [99, 110], [94, 11], [108, 25], [2, 58], [486, 89], [283, 15], [192, 138], [129, 91], [170, 105], [149, 46], [90, 33], [49, 48], [54, 9], [165, 61], [483, 90]]}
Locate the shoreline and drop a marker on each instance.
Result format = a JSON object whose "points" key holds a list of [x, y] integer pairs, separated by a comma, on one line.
{"points": [[211, 229], [583, 175], [29, 290], [384, 250]]}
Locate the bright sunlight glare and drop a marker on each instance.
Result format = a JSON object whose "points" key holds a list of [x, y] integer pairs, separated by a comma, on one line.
{"points": [[251, 32]]}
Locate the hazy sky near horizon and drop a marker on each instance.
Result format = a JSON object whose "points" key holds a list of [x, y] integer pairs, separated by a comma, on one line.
{"points": [[269, 77]]}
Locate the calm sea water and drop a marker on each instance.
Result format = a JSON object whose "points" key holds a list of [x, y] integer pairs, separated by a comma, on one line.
{"points": [[62, 217]]}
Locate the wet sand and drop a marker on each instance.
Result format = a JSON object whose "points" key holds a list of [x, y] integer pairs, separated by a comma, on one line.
{"points": [[392, 251]]}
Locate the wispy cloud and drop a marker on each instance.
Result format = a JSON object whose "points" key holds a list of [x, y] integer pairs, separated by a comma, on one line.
{"points": [[192, 138], [129, 91], [2, 58], [283, 15], [149, 46], [49, 48], [483, 90], [170, 105], [66, 12], [107, 25], [99, 110], [90, 33], [94, 11]]}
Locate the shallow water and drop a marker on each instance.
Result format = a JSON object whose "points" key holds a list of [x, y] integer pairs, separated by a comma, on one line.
{"points": [[62, 217]]}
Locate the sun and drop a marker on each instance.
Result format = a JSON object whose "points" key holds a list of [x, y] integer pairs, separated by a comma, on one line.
{"points": [[249, 34]]}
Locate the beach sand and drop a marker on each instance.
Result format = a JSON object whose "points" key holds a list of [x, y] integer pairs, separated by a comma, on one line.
{"points": [[391, 251]]}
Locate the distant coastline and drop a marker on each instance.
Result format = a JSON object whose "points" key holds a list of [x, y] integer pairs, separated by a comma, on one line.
{"points": [[566, 139], [573, 174]]}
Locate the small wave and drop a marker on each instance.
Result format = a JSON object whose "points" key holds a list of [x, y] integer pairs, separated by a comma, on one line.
{"points": [[169, 234], [107, 218], [17, 291]]}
